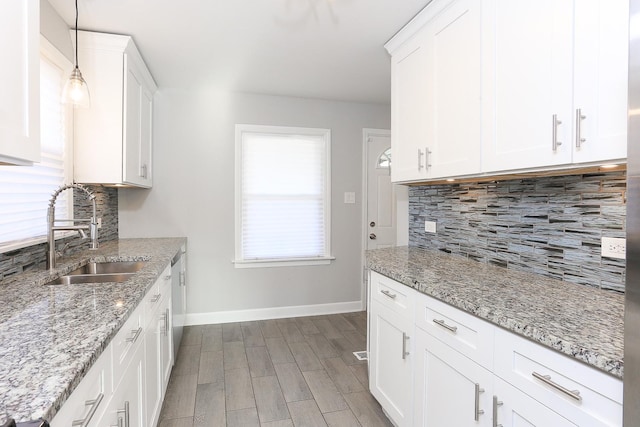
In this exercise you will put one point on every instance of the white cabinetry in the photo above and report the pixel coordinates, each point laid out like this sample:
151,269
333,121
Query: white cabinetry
450,389
158,345
20,82
469,372
127,384
436,76
391,329
113,138
555,83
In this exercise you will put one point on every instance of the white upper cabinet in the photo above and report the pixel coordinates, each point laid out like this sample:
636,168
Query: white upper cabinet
489,87
527,81
555,82
435,107
20,82
113,140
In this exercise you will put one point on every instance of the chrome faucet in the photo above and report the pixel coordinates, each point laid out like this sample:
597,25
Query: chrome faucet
52,228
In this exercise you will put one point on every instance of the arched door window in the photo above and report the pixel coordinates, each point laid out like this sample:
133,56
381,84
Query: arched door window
384,160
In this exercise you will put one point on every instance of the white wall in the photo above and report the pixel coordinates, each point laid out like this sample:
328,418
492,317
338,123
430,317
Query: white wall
55,30
193,196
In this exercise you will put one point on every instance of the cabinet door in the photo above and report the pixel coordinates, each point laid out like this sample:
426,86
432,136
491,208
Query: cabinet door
527,79
600,80
20,82
153,372
127,401
390,362
166,343
408,111
450,389
516,409
137,118
453,77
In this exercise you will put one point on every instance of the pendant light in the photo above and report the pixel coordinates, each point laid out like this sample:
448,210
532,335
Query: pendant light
76,91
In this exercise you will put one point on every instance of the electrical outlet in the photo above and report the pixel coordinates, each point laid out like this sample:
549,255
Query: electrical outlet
430,226
99,223
613,247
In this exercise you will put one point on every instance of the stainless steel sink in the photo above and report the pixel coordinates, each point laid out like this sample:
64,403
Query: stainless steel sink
91,278
109,267
100,272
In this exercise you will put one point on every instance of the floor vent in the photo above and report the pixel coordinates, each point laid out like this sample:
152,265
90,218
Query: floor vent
360,355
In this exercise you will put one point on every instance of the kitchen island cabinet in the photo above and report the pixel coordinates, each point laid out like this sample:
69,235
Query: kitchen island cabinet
113,138
20,83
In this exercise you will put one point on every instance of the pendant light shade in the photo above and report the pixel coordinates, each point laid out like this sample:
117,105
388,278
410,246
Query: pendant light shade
76,91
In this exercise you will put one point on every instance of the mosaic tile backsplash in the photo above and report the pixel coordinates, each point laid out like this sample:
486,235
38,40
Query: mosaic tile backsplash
550,226
31,257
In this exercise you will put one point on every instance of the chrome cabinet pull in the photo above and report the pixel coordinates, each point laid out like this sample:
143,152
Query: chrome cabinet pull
156,297
579,118
143,171
478,411
405,353
574,394
165,319
442,323
125,414
496,403
554,133
94,406
181,281
167,277
427,158
389,294
136,334
420,154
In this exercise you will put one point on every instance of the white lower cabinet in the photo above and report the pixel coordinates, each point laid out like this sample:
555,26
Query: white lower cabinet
465,371
390,370
513,408
450,389
127,384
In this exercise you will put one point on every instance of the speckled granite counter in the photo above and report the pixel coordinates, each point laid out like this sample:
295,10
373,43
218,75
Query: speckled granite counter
51,335
582,322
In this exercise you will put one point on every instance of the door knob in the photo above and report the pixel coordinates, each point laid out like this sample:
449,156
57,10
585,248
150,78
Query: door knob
372,224
372,236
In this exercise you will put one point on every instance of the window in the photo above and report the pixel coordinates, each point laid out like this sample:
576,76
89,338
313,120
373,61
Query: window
282,196
25,190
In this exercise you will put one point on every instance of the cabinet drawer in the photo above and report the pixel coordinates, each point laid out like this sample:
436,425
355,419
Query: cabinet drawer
392,294
160,290
89,400
126,342
463,332
574,390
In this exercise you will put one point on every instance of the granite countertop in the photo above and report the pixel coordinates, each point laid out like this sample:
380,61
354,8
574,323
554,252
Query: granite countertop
51,335
577,320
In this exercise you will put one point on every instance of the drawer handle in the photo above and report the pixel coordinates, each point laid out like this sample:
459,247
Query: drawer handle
574,394
442,323
136,334
94,406
405,353
156,297
167,278
477,411
389,294
496,403
165,320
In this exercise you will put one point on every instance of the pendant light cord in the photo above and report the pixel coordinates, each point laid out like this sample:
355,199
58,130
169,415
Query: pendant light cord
76,33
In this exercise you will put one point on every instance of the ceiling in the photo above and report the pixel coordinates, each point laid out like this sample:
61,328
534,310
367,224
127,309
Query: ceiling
328,49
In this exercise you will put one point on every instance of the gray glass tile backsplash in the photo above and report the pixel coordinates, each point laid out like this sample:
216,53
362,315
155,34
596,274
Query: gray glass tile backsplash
550,226
35,256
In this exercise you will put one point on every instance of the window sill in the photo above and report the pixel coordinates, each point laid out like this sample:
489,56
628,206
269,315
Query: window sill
288,262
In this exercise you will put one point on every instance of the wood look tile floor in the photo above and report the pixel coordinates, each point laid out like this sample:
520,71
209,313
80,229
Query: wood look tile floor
273,373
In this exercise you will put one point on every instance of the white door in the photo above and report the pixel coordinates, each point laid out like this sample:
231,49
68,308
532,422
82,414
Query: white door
381,200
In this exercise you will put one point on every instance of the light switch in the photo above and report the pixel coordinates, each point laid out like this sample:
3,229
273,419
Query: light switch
349,197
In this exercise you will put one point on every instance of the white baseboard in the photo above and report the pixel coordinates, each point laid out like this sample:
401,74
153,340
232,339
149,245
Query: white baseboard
271,313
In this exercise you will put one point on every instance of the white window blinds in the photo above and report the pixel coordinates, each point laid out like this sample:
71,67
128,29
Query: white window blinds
25,190
282,193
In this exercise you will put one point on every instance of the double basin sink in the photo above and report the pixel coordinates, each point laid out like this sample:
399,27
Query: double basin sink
100,272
